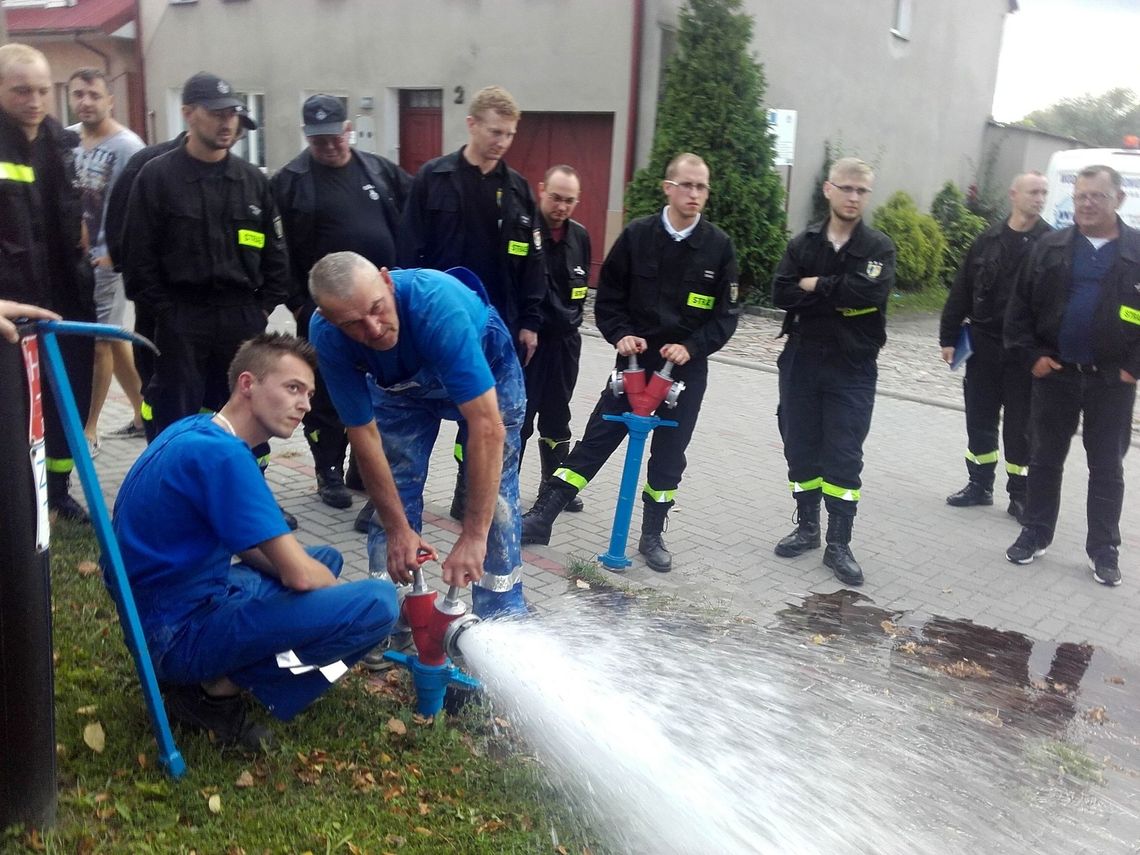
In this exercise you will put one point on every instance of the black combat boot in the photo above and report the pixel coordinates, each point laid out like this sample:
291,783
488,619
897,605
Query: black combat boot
654,517
331,488
838,555
459,499
806,534
552,457
59,498
553,496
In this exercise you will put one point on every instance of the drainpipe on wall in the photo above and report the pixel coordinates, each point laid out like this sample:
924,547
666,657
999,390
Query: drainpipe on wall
634,87
106,59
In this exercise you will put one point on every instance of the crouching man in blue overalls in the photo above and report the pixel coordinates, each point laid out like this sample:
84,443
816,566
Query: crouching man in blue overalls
276,623
401,351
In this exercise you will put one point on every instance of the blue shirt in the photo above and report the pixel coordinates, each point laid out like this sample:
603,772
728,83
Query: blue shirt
1090,265
438,353
193,499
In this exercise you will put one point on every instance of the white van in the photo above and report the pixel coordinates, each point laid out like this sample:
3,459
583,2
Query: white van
1062,173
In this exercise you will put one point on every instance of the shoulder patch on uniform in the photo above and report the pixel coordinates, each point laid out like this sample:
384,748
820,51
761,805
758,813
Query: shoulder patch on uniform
538,239
874,269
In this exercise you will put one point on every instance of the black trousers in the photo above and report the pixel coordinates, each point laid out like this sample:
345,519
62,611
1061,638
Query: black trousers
328,440
995,380
667,444
826,401
1106,403
197,344
550,380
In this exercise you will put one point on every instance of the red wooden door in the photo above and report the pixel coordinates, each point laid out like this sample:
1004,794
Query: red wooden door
421,127
581,140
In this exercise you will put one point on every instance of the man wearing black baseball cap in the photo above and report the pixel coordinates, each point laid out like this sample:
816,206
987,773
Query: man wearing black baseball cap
204,252
334,198
211,92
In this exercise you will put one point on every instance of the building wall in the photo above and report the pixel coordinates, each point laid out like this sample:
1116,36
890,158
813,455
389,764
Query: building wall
1009,150
552,55
915,108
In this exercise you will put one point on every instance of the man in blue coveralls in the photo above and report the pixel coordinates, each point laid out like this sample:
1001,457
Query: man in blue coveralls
401,351
276,623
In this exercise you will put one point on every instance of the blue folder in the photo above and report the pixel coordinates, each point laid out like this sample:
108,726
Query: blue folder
963,348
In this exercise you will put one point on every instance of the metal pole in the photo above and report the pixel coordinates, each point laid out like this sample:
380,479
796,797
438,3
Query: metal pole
27,710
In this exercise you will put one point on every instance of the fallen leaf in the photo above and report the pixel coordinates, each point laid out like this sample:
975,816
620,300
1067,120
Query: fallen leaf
94,737
419,829
1096,715
421,720
581,583
397,727
87,568
425,809
86,710
819,639
280,786
1115,680
142,761
245,779
215,803
490,826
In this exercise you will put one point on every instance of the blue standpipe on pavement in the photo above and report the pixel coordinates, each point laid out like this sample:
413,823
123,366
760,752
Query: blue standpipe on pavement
639,428
168,753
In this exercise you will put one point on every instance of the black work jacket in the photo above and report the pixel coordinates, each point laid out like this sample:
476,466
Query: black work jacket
848,308
296,195
116,218
694,305
567,278
431,235
1037,305
175,253
40,218
979,293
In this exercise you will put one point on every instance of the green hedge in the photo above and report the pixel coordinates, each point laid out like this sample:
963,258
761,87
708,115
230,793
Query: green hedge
918,240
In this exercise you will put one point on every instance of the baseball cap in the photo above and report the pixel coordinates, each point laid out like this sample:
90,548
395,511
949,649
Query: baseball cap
323,115
213,93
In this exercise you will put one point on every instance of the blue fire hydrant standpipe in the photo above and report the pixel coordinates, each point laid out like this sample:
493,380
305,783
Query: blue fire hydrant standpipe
431,681
168,753
639,428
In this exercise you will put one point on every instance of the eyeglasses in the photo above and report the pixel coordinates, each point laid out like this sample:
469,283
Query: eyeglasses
848,189
689,186
1096,197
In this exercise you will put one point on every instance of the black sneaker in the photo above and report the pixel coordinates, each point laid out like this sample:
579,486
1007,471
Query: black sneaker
972,494
1105,568
364,518
66,508
290,520
128,431
223,718
1027,547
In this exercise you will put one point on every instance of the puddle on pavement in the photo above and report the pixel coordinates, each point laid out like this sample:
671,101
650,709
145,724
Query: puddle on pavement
839,727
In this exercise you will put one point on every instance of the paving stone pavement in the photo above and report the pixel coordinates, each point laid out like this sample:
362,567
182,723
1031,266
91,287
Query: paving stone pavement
919,554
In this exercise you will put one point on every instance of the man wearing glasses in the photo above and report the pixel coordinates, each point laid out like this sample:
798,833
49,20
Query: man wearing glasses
834,281
334,198
667,292
1074,318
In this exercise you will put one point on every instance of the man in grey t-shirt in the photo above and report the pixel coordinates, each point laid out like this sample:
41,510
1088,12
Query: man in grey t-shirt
104,149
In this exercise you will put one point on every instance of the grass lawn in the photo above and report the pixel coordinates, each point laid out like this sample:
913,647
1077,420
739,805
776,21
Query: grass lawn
927,301
358,772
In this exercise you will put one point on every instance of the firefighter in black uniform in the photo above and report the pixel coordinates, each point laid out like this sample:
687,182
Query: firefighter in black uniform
204,253
1074,318
667,292
41,257
995,378
469,209
334,198
553,372
834,281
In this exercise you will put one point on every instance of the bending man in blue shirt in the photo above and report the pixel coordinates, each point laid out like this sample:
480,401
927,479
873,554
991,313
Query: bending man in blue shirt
401,351
277,623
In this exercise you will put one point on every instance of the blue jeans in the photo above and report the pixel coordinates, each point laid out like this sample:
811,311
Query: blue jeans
409,423
249,634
